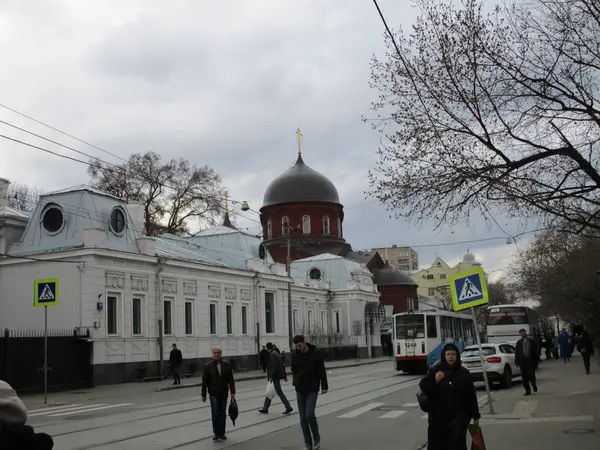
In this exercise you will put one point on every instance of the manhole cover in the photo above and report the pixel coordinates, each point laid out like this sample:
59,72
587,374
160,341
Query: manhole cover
579,431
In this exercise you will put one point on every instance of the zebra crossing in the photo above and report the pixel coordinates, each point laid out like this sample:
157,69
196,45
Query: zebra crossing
73,409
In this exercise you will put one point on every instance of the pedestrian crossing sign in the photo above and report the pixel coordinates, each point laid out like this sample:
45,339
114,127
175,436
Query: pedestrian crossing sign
45,292
468,289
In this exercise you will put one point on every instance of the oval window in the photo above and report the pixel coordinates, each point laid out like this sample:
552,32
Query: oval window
315,274
53,219
117,221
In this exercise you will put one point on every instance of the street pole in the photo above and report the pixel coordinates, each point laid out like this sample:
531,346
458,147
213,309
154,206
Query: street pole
45,355
485,377
289,303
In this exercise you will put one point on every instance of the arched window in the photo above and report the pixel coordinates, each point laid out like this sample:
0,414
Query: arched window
339,224
269,229
285,226
326,225
306,224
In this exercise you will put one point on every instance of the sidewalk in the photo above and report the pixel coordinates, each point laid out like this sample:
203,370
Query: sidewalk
139,389
565,413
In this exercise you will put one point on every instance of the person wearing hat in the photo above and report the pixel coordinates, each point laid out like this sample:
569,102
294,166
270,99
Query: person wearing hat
14,434
450,389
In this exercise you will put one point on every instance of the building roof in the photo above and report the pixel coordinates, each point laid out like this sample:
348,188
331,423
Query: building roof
80,188
8,212
300,183
388,276
336,270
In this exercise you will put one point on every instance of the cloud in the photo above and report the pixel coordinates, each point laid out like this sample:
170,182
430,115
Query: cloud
219,83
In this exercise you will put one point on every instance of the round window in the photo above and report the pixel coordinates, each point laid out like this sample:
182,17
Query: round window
117,220
315,274
53,219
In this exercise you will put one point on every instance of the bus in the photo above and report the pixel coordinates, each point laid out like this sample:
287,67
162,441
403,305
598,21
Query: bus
505,321
418,337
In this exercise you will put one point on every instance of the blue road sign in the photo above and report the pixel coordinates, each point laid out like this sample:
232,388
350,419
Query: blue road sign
45,292
468,289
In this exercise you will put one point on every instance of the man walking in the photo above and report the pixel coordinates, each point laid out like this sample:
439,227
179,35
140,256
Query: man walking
275,373
564,342
263,356
526,358
586,348
217,379
175,360
309,373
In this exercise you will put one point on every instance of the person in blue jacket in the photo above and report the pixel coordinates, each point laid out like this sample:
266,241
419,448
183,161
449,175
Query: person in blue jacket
564,342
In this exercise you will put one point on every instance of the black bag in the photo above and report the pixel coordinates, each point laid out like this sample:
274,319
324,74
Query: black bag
425,403
234,412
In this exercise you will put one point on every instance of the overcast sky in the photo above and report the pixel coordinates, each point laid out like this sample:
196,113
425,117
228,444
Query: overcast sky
223,83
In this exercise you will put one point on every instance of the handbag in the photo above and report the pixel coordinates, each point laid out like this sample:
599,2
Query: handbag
478,443
425,402
234,411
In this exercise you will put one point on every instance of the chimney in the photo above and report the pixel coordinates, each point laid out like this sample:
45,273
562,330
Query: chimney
4,184
136,212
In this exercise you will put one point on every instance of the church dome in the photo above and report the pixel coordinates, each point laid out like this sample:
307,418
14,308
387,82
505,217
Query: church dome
469,258
388,276
300,183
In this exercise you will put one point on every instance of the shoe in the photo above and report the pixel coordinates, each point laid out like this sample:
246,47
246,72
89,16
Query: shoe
223,437
287,411
215,438
308,447
316,446
263,411
527,393
535,388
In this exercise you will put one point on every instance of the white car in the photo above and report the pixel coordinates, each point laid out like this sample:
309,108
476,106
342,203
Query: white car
499,363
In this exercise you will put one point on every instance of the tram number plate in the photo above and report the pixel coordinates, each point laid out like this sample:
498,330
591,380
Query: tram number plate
411,344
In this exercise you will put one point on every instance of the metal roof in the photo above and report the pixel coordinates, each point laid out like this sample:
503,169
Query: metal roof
7,211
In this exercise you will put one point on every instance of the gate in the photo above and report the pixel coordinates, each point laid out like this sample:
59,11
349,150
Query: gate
69,359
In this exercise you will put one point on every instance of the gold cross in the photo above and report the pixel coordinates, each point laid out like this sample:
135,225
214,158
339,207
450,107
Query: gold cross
299,134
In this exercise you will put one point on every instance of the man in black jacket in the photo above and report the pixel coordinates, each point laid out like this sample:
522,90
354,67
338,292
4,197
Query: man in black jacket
217,379
275,373
309,372
526,359
175,360
263,356
586,348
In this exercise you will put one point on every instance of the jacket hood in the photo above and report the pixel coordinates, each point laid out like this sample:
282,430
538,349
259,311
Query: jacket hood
12,410
311,348
443,356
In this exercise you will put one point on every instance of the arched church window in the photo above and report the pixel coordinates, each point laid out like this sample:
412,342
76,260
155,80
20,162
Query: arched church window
306,224
326,225
339,227
269,229
285,226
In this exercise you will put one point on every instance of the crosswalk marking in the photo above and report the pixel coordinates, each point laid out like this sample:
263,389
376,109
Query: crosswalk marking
410,405
359,411
53,408
90,410
63,409
392,415
69,410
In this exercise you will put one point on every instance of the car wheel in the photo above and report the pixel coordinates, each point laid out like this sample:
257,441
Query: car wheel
507,378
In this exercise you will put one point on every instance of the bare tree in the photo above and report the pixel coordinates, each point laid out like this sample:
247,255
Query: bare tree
492,110
500,293
172,192
23,197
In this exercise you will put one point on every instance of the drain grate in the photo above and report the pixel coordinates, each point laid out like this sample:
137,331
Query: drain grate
580,431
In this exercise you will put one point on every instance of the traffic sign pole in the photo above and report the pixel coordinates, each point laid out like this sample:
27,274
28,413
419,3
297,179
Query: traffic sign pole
485,376
45,355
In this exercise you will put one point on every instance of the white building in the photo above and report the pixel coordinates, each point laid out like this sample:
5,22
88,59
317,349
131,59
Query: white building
138,295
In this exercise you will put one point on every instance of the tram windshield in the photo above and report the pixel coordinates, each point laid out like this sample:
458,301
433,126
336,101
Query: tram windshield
410,326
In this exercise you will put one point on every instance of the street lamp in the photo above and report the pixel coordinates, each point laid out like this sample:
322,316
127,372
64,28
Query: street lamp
245,206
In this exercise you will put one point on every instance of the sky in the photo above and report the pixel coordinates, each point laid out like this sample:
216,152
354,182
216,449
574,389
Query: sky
220,83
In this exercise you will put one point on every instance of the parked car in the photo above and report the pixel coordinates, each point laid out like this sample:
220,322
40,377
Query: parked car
499,363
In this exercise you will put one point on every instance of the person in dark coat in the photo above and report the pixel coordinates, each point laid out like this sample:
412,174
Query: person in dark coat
263,356
526,358
217,380
309,372
564,342
276,373
586,348
175,360
450,389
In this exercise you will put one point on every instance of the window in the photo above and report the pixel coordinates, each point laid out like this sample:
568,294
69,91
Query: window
326,225
269,229
315,274
244,319
338,322
410,326
431,291
339,226
474,351
136,316
229,313
516,315
310,320
306,224
323,321
213,318
442,276
430,277
285,226
117,221
269,312
112,314
431,327
295,323
53,219
168,317
189,317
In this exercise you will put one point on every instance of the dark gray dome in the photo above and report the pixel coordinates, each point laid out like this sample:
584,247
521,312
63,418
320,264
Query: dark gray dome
300,183
388,276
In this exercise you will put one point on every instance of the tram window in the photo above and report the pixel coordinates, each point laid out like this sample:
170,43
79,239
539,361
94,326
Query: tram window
431,327
446,327
410,326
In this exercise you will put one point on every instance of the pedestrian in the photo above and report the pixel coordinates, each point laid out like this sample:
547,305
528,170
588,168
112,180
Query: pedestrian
276,373
526,358
217,379
308,368
586,348
175,360
451,391
263,356
564,342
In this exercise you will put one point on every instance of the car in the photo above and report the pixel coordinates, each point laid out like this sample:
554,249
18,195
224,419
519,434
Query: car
499,363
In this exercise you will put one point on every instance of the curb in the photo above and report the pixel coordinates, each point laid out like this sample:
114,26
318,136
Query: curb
260,377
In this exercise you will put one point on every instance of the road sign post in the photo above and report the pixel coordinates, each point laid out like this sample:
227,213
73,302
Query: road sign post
469,289
45,293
